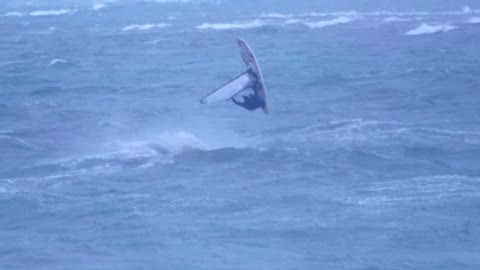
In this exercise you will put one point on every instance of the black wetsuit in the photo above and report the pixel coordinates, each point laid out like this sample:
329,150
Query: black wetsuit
252,101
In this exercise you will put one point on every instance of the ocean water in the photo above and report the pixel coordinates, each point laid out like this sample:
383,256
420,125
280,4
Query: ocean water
368,159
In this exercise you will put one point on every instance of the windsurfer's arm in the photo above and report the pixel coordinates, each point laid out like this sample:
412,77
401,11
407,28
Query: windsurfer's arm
236,102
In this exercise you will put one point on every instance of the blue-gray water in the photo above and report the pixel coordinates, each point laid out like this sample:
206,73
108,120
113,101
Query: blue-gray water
368,159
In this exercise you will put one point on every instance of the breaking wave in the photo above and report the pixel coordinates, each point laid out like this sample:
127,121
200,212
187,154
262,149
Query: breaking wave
161,149
52,12
228,26
14,14
99,6
396,19
58,62
276,15
335,21
378,13
357,130
114,156
474,20
425,29
423,190
171,1
144,27
292,21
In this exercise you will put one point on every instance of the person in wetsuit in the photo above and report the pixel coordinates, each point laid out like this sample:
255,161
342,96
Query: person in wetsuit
252,101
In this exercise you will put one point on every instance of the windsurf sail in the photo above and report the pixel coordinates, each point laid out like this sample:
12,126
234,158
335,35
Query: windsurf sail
253,78
230,89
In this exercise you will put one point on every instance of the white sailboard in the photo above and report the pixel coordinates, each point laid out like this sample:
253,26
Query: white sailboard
243,81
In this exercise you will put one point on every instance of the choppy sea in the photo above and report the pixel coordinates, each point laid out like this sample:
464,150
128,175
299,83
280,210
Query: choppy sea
368,159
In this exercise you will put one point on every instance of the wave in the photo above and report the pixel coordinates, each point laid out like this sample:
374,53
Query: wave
12,142
335,13
58,62
99,6
143,153
396,19
161,148
467,10
52,12
474,20
293,21
420,190
377,13
119,156
425,29
335,21
144,27
228,26
113,157
171,1
14,14
276,15
356,130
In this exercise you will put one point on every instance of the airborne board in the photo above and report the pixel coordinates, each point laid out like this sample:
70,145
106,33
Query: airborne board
250,60
243,81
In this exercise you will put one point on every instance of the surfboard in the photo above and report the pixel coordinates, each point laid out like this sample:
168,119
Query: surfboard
241,82
250,60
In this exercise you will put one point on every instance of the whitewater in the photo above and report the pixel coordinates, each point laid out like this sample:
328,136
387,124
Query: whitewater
368,158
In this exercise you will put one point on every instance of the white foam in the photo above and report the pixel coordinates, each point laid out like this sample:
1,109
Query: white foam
99,6
421,190
293,21
144,27
228,26
467,10
378,13
14,14
177,142
474,20
171,1
335,21
57,61
276,15
425,29
160,148
52,12
396,19
155,41
336,13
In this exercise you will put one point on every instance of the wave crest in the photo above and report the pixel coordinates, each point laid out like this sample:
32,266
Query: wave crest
426,29
474,20
228,26
335,21
58,62
14,14
99,6
276,15
144,27
51,12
